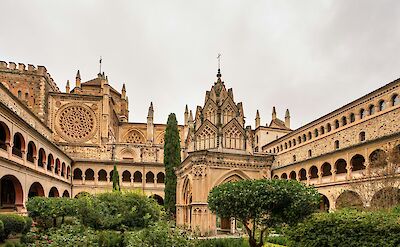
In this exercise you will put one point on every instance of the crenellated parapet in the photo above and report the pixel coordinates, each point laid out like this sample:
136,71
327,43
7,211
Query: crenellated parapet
29,70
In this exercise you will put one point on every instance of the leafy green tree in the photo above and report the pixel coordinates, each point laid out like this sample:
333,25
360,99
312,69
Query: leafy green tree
115,179
172,159
261,204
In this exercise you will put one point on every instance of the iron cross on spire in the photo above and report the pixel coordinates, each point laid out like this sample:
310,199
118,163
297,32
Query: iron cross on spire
101,59
219,61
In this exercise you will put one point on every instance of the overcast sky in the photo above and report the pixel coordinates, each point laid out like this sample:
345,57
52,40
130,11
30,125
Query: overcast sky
309,56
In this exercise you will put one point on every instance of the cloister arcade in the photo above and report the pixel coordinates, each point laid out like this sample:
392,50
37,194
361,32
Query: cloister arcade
127,176
30,167
346,181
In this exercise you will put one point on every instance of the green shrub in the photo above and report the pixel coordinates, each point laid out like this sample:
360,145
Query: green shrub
46,211
1,230
223,242
28,224
118,211
281,240
74,235
347,228
109,238
13,224
161,235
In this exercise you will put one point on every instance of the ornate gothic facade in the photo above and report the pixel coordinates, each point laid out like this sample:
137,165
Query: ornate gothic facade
55,143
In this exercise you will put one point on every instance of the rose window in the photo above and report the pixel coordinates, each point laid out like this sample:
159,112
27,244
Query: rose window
76,122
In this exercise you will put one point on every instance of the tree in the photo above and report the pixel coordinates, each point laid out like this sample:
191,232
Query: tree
261,204
115,179
172,158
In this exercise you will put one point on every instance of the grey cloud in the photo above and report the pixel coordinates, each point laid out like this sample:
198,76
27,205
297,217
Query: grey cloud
308,56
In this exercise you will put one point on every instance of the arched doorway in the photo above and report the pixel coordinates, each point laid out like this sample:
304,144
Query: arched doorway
349,199
11,193
54,192
386,198
187,202
324,204
36,189
65,194
158,199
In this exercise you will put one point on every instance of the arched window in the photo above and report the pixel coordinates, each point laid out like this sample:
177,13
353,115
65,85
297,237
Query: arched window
68,172
309,135
160,178
294,158
89,175
378,158
363,113
336,144
382,105
313,172
316,133
126,176
395,100
50,162
352,118
150,177
285,145
57,166
299,139
63,169
31,154
341,166
303,174
42,158
326,169
276,177
362,136
337,125
4,136
137,177
304,138
322,130
309,153
290,144
284,176
102,175
19,94
344,121
294,142
328,127
292,175
18,145
77,174
371,109
357,162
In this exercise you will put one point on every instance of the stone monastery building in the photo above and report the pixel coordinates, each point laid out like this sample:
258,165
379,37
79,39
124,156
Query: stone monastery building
55,143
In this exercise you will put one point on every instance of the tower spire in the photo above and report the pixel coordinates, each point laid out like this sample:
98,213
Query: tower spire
78,79
273,113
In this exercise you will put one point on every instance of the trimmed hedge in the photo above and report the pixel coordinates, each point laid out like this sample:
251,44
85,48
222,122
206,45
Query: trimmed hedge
347,228
13,224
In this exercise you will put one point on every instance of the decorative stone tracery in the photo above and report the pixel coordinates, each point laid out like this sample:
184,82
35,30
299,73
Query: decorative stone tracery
134,137
76,123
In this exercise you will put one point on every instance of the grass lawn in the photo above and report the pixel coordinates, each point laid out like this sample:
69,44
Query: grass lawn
272,245
15,240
